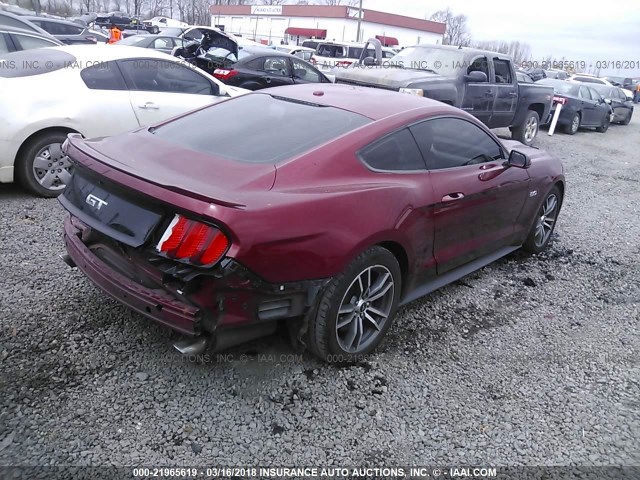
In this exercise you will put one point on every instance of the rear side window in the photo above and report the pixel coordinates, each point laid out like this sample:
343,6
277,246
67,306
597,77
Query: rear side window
260,128
104,76
395,152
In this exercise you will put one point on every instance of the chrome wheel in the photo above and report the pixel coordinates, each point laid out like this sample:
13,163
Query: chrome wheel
546,220
530,129
51,167
575,123
365,308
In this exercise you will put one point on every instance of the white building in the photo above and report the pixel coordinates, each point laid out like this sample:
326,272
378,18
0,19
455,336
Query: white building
295,23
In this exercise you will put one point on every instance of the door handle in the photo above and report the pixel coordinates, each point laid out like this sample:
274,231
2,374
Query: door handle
488,166
453,196
149,106
512,94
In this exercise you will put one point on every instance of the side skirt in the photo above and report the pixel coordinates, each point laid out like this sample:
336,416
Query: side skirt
455,274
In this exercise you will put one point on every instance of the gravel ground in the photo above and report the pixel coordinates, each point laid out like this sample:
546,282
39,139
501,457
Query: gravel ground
530,361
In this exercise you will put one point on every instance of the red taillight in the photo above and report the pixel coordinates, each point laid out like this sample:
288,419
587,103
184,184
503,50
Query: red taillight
192,242
224,74
560,100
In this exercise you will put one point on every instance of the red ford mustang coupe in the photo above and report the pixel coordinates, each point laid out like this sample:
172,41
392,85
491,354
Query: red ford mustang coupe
323,206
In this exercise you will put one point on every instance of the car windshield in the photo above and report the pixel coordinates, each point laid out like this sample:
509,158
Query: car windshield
281,128
560,86
443,61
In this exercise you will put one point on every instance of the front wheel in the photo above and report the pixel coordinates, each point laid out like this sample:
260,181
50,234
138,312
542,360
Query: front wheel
43,168
627,120
606,121
545,222
357,308
526,132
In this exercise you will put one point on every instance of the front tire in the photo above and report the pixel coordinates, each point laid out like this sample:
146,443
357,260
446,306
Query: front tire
546,218
606,121
627,120
526,132
42,168
357,308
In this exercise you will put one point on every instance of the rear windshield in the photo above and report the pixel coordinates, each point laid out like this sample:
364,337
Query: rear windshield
560,86
26,63
260,128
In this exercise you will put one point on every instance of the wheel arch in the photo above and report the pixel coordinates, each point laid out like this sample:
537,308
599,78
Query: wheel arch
38,133
400,253
539,109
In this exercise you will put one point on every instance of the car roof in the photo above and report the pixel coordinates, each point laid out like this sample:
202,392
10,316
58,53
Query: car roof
467,50
52,20
374,103
24,31
105,53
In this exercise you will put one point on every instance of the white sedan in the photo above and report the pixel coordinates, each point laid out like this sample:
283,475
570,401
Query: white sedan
94,90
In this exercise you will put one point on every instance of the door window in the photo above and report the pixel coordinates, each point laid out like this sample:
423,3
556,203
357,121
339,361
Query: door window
162,76
595,95
584,93
276,66
305,72
453,142
163,42
479,65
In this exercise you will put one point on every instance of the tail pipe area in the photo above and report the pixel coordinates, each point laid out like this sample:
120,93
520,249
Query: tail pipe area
68,260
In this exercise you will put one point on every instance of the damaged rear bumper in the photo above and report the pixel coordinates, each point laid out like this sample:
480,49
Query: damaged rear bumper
155,304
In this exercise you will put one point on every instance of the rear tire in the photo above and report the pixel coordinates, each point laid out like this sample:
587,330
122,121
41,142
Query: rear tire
357,308
527,131
545,222
628,119
574,125
42,168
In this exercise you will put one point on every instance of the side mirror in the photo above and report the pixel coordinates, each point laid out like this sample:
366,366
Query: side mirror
476,77
518,159
608,100
369,61
178,52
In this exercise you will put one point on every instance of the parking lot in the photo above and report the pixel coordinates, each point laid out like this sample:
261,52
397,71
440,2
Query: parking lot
530,361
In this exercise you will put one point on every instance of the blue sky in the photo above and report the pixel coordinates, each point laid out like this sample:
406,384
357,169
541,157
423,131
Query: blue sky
599,32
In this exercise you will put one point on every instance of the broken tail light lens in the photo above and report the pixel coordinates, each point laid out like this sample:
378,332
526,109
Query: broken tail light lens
224,74
559,100
192,242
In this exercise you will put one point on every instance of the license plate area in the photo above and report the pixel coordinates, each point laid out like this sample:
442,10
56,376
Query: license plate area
109,209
